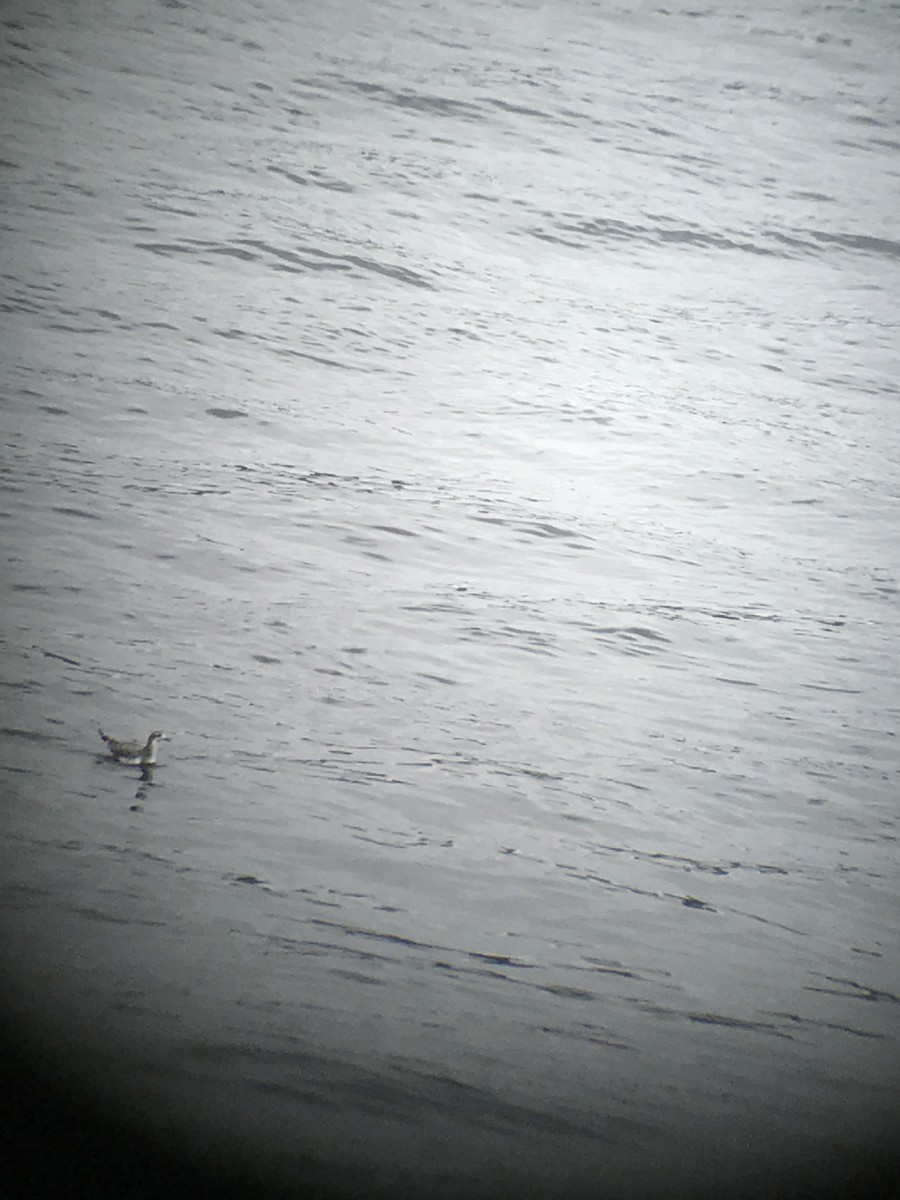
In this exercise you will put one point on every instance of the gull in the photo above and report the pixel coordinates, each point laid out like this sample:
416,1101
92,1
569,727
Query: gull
135,754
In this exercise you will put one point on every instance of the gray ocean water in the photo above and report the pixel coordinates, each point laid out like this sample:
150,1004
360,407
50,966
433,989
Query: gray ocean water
473,432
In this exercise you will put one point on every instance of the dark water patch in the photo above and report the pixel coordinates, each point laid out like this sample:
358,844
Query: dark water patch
634,637
582,1031
707,1018
750,613
72,662
83,514
510,851
286,476
291,352
686,862
866,244
146,855
565,992
434,606
503,960
528,640
398,530
28,735
308,1094
587,876
166,249
395,939
66,327
289,260
376,556
393,841
523,110
767,921
217,1054
320,948
95,914
491,633
517,769
546,530
292,176
357,977
25,891
851,989
539,529
814,1023
583,232
401,274
693,902
321,902
402,1091
824,687
316,179
167,207
227,414
617,969
323,260
427,103
410,1088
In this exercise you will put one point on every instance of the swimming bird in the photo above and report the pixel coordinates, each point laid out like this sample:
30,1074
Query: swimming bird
134,754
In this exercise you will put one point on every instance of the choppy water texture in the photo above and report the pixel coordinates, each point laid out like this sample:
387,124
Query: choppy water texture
473,431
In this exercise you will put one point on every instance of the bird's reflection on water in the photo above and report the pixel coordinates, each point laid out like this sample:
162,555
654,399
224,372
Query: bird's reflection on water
146,782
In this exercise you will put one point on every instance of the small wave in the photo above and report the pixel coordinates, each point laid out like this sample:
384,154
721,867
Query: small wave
706,1018
424,102
314,179
310,259
583,233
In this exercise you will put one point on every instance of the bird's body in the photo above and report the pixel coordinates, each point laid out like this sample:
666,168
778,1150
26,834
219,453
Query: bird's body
135,754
